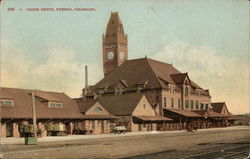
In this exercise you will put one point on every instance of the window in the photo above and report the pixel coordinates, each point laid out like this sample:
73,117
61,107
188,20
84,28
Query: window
101,91
55,105
186,91
59,105
192,104
90,97
165,102
144,106
202,106
140,88
186,104
196,104
206,106
179,103
119,91
172,102
97,109
52,104
171,88
120,28
6,102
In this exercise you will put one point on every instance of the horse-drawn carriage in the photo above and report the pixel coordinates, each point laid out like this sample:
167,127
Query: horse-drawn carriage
118,129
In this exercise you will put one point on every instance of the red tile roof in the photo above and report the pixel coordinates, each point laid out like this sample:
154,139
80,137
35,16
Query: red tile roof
23,105
158,75
217,107
117,105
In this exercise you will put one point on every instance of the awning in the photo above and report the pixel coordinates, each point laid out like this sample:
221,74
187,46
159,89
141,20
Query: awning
153,118
197,113
92,117
186,113
213,114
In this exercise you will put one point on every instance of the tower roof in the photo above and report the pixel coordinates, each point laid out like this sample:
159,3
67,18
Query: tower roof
113,24
114,28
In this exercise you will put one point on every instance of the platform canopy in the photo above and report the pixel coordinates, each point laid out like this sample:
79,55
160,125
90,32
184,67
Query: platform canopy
153,118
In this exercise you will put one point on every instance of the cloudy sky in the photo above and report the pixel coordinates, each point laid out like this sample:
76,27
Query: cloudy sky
47,50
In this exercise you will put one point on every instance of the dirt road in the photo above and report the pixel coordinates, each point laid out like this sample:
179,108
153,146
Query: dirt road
127,146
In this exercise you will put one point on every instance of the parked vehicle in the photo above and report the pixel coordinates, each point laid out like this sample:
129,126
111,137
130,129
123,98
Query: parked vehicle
26,130
55,129
118,129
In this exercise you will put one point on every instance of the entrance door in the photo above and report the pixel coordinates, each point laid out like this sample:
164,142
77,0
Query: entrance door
102,125
9,129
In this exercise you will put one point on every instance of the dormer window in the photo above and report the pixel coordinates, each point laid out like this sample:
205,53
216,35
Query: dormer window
101,91
6,102
119,91
55,105
140,88
90,97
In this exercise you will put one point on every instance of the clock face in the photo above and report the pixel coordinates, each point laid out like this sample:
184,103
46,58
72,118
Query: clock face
122,55
110,55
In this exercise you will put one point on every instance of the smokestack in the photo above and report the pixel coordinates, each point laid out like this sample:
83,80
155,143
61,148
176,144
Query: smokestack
86,79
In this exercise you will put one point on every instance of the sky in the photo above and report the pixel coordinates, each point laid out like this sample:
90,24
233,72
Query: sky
47,50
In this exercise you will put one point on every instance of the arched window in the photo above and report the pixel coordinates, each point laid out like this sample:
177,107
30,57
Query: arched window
186,91
97,109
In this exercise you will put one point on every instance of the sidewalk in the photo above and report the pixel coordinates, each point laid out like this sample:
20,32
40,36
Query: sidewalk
13,140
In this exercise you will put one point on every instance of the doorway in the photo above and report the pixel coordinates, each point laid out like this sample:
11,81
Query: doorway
9,129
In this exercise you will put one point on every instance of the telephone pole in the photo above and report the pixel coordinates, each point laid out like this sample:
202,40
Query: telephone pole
34,113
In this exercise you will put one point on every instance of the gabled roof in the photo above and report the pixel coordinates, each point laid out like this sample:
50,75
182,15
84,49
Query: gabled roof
124,83
23,105
179,78
217,107
45,96
131,71
116,105
158,75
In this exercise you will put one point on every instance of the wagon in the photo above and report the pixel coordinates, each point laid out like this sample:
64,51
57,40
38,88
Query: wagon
55,129
118,129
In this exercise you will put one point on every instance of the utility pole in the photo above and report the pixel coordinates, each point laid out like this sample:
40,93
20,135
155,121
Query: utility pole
1,154
34,114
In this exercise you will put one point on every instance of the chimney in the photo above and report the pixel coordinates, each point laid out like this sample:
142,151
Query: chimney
86,80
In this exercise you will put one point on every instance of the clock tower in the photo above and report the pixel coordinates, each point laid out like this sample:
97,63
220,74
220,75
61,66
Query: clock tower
115,44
